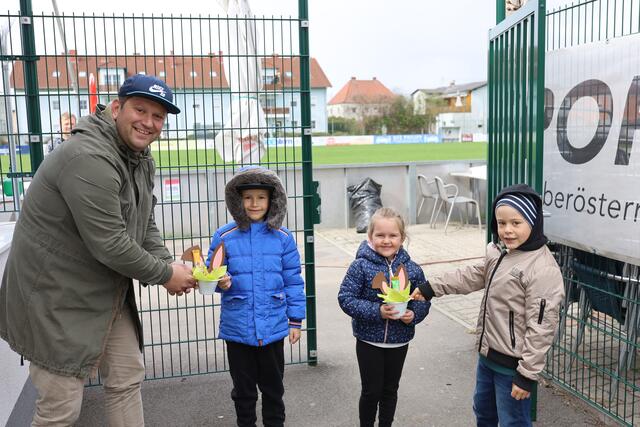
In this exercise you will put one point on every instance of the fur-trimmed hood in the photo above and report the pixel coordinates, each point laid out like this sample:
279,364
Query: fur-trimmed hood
256,175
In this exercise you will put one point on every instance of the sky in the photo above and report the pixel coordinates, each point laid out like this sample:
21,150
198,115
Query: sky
406,44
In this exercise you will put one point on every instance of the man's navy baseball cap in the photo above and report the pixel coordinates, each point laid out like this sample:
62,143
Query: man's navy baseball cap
149,87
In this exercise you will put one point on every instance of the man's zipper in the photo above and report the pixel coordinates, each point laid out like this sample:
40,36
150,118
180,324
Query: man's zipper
486,297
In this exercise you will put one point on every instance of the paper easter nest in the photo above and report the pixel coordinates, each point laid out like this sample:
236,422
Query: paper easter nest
200,271
389,294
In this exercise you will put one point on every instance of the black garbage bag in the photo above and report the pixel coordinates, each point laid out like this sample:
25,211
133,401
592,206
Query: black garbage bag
364,200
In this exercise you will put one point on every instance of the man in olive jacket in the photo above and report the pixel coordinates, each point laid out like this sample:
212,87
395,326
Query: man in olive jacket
87,229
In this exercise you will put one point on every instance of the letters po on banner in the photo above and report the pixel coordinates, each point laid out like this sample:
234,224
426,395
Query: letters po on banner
591,158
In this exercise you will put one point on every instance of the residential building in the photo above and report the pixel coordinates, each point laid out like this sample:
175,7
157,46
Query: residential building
359,99
280,96
200,86
463,117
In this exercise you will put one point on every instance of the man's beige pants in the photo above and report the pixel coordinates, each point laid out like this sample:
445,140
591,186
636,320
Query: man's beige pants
122,372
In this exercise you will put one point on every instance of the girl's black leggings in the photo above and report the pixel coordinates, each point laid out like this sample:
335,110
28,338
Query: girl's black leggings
380,371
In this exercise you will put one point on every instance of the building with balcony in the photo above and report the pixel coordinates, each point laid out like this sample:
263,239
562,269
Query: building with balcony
463,115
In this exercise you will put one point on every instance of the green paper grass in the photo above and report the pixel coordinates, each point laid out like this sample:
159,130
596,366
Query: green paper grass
397,296
200,273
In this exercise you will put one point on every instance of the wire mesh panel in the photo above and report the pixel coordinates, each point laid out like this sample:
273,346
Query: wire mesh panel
242,84
15,154
595,353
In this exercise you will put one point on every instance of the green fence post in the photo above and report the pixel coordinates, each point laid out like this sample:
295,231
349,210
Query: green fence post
31,84
500,11
309,187
538,100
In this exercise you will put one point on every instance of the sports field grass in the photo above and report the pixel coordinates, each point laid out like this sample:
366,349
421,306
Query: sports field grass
333,155
339,155
398,153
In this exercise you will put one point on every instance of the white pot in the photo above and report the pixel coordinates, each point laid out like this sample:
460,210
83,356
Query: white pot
400,307
206,287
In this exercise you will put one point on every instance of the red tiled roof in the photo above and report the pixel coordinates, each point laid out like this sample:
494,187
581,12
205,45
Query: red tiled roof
288,77
179,71
363,92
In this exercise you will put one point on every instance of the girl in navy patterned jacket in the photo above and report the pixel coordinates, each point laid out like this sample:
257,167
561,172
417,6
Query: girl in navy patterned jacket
381,340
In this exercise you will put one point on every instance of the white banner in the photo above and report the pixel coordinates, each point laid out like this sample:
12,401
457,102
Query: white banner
591,147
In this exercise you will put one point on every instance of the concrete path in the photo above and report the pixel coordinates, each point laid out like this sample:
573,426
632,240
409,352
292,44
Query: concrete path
439,372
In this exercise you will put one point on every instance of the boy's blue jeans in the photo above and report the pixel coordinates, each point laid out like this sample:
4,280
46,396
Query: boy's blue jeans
492,400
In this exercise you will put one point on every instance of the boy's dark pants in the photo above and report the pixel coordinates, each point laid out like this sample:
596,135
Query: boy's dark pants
263,366
380,371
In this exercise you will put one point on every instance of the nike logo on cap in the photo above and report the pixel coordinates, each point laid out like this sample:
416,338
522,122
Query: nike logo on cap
158,89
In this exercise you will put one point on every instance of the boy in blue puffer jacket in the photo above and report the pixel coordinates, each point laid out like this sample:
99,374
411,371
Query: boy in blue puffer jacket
263,297
382,334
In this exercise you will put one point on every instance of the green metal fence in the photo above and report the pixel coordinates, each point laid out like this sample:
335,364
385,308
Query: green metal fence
595,352
594,355
50,63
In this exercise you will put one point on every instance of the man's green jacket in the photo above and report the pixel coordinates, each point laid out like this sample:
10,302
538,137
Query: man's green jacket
86,229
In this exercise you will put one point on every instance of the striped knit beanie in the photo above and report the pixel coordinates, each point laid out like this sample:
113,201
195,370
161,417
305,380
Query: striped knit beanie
522,203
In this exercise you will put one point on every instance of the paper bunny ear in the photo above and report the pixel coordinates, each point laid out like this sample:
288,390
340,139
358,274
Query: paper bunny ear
380,282
188,254
401,274
218,257
377,281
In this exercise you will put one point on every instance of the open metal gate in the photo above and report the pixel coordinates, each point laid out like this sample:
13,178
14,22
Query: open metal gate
516,100
57,66
595,352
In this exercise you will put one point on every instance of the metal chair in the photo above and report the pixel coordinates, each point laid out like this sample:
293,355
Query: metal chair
452,199
426,193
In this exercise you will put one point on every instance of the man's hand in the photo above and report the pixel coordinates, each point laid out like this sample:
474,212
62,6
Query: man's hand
181,280
416,295
408,316
388,312
225,283
294,335
518,393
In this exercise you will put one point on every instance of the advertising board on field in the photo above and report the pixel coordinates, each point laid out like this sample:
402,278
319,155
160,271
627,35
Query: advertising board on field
344,140
591,150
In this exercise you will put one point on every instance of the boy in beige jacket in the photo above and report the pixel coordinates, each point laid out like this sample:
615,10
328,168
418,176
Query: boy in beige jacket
519,312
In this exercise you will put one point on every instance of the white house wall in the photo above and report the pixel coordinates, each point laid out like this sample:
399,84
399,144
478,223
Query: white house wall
356,111
319,109
49,116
